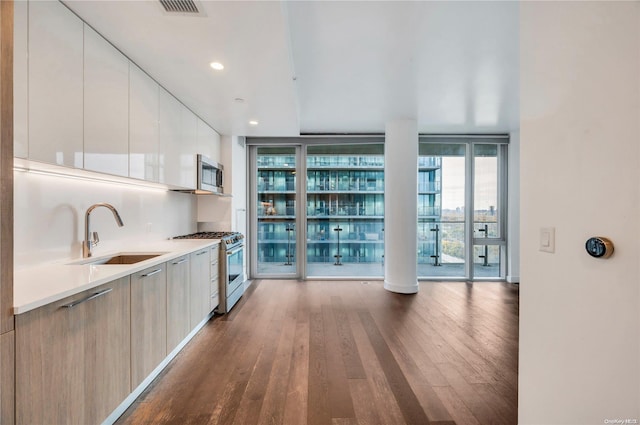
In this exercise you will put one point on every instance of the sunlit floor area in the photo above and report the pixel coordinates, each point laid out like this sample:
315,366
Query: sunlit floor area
345,352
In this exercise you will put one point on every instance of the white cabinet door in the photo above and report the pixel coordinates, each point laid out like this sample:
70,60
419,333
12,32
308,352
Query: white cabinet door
144,137
55,84
208,141
188,149
20,69
106,106
170,134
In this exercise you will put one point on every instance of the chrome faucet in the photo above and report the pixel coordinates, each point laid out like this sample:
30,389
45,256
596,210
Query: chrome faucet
90,243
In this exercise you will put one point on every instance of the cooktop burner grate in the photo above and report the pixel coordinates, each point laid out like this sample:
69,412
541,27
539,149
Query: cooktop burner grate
207,235
229,239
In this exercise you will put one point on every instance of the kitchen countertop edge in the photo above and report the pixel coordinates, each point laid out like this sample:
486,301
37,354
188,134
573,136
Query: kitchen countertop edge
31,291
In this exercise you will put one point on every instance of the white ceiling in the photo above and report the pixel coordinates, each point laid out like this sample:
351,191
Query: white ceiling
327,66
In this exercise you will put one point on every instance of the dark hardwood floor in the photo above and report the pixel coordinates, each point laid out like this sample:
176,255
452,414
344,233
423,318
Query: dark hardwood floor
347,353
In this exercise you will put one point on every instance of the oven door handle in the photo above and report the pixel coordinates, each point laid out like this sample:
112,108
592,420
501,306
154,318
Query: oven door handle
236,249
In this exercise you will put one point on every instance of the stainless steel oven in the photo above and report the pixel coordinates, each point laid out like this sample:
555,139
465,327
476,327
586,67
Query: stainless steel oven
232,282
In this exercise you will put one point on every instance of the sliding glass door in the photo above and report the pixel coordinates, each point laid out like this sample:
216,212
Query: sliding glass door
275,211
328,224
345,210
441,210
462,207
489,210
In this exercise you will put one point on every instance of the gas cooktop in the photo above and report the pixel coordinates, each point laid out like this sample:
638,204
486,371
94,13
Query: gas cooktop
228,238
208,235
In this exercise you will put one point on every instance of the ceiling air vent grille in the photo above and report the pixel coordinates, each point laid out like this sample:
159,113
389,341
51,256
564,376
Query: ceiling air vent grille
179,6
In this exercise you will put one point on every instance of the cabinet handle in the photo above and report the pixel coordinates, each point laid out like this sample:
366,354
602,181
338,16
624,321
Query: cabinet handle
151,273
179,262
200,253
90,297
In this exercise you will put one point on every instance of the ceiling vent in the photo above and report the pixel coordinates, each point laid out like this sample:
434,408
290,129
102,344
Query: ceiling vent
180,6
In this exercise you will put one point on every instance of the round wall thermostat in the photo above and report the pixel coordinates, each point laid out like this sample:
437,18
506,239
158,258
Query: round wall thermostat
599,247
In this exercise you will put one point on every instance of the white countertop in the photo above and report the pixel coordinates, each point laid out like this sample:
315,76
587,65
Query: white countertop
37,286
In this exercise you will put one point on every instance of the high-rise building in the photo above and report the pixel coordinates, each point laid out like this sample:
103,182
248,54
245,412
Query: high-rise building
345,208
429,209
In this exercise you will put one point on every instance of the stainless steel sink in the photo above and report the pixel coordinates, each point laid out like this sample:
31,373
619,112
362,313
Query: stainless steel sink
122,258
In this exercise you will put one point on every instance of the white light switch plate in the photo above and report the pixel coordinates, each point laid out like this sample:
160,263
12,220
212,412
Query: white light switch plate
548,239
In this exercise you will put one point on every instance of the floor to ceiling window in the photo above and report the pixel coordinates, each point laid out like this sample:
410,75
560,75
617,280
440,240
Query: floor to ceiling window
318,208
275,209
339,230
462,207
345,210
441,210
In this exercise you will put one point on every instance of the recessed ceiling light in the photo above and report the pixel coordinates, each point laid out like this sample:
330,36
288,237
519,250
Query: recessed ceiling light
239,100
217,66
253,122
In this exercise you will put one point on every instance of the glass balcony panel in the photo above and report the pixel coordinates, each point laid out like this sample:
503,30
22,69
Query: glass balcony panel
487,261
441,249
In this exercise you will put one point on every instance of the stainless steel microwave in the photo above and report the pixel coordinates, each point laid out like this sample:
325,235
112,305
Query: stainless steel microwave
210,176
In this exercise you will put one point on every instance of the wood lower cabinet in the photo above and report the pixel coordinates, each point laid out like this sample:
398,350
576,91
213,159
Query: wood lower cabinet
78,359
73,357
199,286
148,321
177,301
7,378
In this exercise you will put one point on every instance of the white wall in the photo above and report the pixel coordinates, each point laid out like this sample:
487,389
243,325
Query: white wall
222,213
239,178
513,220
580,173
50,211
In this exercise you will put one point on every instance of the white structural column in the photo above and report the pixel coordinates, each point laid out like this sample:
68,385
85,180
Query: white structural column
401,207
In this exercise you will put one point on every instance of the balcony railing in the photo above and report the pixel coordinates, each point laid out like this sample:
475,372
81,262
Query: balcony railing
276,161
429,162
429,187
345,161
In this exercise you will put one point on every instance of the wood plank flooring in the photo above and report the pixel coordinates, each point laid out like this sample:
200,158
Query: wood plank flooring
347,353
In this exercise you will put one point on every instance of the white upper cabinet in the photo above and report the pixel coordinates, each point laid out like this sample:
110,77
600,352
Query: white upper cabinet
208,141
20,91
178,143
55,84
170,135
106,106
188,149
144,136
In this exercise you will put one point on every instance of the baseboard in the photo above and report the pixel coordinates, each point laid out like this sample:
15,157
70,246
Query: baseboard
513,279
401,289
